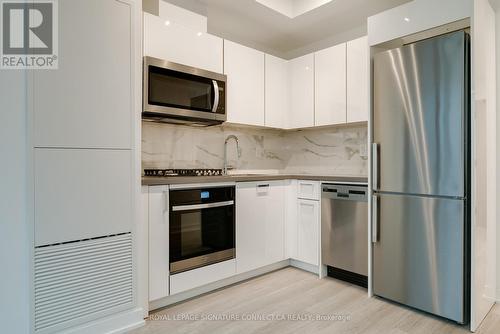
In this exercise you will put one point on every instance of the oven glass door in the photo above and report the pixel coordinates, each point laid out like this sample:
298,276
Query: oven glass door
201,234
168,88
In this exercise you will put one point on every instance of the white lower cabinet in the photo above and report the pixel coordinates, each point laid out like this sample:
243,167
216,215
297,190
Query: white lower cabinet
273,224
308,231
158,242
260,224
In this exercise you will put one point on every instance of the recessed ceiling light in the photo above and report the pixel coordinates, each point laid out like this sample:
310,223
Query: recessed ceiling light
167,23
199,33
407,19
307,68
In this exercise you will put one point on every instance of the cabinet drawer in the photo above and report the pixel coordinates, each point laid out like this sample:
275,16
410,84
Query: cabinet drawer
308,190
201,276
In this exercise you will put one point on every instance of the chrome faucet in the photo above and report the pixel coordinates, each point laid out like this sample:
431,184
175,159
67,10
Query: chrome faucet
225,150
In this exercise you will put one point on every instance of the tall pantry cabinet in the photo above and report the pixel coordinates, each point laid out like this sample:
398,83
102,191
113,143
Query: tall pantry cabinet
85,119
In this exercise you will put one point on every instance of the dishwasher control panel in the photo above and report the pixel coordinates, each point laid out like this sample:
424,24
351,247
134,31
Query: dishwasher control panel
345,191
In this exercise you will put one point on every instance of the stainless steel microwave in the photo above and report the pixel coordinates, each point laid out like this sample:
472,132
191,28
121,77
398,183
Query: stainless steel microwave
181,94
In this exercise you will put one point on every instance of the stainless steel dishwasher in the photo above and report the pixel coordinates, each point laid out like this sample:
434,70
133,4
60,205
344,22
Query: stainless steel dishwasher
344,232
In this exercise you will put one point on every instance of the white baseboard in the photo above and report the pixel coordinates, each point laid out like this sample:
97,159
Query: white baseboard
115,324
305,266
156,304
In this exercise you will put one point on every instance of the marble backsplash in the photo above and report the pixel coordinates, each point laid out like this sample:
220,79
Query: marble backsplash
325,151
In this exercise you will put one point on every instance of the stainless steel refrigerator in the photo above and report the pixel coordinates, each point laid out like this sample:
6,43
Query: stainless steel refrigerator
421,166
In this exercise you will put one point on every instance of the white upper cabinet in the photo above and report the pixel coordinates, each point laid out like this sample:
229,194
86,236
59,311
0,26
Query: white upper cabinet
277,96
330,86
181,44
301,113
88,102
358,77
244,68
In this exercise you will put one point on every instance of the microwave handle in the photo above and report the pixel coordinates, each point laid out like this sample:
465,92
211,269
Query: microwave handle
216,96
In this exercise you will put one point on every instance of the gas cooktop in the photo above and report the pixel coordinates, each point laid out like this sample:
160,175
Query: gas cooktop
182,172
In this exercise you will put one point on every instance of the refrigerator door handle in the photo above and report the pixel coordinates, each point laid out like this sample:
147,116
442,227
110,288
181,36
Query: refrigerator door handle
375,165
375,219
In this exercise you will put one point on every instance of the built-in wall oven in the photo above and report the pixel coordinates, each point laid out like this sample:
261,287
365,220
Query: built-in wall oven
176,93
202,227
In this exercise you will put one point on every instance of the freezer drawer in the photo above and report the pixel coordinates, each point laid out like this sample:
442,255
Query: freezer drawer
344,228
419,256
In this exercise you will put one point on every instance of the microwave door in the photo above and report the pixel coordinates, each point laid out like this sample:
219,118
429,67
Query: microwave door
180,94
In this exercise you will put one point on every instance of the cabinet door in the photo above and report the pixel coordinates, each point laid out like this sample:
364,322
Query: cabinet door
88,102
158,242
244,68
277,92
291,219
357,80
330,86
250,228
272,195
301,92
81,194
260,219
308,231
180,44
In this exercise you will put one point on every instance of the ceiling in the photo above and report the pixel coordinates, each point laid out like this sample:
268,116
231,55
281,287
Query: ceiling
293,8
253,24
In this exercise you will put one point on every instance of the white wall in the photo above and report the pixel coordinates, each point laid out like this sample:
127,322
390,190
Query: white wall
497,14
483,241
14,232
422,15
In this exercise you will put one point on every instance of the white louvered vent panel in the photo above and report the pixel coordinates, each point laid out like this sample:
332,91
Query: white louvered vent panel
79,279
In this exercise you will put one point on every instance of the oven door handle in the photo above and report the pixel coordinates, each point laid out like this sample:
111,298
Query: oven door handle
201,206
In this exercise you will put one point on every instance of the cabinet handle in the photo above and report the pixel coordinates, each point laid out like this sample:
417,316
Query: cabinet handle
375,165
263,186
166,204
374,218
202,206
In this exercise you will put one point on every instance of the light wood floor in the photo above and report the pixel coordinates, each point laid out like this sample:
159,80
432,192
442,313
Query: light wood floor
296,292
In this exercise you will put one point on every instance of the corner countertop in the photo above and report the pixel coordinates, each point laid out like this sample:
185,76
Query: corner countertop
168,180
